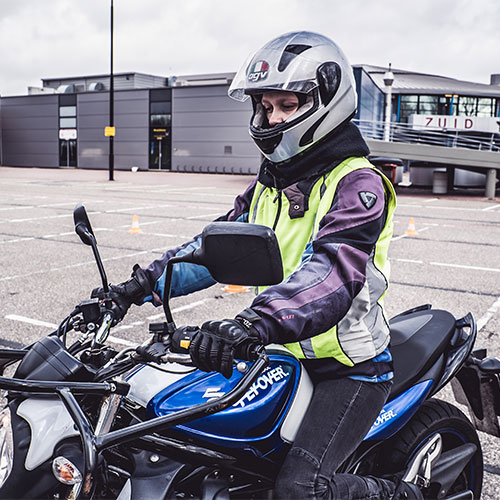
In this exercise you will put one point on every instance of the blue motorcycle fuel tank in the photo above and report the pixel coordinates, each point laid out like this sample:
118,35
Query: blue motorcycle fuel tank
253,423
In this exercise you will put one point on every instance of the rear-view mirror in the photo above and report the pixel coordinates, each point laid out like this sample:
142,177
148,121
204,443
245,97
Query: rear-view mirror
238,253
83,227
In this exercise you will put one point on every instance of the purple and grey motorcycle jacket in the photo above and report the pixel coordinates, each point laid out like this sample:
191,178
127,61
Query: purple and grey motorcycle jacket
333,220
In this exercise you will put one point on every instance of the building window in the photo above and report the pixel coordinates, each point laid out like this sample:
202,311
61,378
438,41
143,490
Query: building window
67,111
160,126
467,106
67,131
485,106
67,122
428,104
408,106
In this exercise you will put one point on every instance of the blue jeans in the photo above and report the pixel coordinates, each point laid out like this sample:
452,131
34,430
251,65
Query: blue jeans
339,417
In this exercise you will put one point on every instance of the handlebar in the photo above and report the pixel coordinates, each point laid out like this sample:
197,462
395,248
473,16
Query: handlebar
173,357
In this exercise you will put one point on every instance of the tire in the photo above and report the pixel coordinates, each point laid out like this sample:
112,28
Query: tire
436,416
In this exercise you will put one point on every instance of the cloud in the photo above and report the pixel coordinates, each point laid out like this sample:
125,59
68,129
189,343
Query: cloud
54,38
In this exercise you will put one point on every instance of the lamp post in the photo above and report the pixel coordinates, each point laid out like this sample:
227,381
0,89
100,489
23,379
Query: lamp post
111,105
388,81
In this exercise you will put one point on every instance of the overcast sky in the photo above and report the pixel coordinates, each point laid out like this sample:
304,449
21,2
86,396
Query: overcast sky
57,38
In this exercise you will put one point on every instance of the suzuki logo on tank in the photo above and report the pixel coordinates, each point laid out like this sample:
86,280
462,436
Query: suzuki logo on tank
442,122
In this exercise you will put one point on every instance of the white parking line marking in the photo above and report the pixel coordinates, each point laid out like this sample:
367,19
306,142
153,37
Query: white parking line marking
133,209
482,322
53,326
411,261
442,207
48,236
491,208
116,210
116,340
203,215
70,266
179,309
31,321
17,208
17,240
472,268
447,264
401,236
32,219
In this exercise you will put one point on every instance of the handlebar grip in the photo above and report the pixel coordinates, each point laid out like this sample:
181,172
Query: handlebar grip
248,350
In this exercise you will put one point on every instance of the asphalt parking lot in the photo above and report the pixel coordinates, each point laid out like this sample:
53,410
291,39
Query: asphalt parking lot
453,262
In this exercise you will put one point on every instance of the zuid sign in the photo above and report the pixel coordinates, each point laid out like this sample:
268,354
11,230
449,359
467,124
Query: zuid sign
446,122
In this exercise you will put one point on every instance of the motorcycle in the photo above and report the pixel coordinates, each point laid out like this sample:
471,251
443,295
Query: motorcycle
87,421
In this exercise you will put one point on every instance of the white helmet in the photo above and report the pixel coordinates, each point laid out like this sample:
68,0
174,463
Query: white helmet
310,65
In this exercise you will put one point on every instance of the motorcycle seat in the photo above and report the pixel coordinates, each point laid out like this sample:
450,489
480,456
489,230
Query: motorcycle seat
417,341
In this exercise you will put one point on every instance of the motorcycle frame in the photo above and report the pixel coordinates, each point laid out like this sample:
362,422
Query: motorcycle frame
93,444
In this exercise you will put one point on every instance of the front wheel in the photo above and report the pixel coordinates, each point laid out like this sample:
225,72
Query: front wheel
439,417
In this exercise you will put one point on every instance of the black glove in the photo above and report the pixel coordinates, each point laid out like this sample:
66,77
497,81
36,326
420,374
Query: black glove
127,293
217,343
152,352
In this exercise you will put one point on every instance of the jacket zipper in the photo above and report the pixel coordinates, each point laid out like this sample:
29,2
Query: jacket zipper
277,197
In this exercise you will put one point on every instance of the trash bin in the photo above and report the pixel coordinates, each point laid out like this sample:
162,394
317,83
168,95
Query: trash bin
439,182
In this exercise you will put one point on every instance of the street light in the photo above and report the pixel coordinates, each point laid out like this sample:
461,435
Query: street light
111,104
388,81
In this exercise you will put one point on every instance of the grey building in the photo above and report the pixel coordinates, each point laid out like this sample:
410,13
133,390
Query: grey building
66,128
210,131
188,124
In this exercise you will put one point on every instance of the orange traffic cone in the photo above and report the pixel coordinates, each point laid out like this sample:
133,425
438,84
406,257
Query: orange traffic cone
411,231
135,229
235,289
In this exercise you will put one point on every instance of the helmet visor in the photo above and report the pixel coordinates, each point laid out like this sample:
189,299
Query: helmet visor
260,73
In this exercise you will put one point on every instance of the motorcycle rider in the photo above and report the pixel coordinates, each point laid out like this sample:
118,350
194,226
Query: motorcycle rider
332,213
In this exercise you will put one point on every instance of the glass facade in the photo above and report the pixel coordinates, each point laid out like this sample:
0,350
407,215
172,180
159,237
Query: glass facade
448,104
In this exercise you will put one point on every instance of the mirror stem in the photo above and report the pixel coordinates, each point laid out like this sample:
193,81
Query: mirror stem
100,266
168,284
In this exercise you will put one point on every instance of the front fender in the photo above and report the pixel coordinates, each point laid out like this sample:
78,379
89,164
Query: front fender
50,423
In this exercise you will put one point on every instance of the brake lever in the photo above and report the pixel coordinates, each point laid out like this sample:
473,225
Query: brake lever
102,333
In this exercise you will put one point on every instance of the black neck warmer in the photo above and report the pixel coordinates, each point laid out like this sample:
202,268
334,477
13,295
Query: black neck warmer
317,160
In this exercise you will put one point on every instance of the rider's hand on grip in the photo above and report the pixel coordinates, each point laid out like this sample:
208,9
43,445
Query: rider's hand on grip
248,350
214,346
127,293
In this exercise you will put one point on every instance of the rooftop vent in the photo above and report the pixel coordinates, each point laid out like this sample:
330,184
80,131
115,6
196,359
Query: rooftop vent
96,87
66,89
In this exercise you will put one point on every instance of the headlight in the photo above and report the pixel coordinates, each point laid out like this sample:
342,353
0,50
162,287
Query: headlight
6,446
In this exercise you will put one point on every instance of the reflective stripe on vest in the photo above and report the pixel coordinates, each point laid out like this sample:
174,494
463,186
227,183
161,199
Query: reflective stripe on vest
353,340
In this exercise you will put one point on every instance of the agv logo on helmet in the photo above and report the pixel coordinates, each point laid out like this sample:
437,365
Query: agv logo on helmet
258,71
